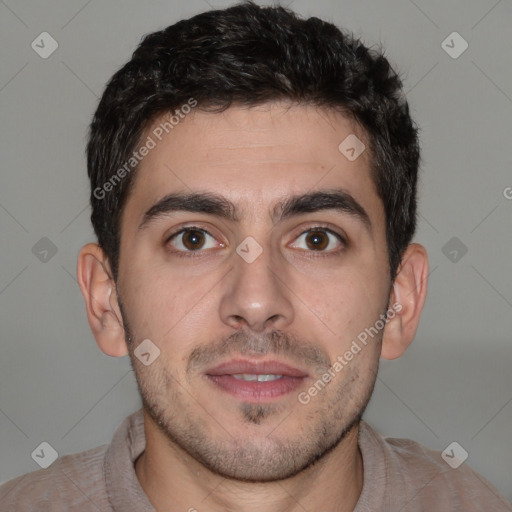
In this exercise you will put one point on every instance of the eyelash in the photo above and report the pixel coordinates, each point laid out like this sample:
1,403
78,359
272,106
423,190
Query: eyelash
317,254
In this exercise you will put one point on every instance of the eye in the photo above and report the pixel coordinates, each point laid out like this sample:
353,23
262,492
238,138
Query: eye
320,239
191,239
194,239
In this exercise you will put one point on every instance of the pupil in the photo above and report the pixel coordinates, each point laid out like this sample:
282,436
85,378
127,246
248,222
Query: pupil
316,238
193,239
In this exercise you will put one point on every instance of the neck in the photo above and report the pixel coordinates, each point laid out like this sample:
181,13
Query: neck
175,481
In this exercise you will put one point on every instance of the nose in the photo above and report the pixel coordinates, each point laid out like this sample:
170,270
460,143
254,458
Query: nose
256,294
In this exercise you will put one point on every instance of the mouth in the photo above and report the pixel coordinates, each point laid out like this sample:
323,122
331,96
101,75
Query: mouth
256,382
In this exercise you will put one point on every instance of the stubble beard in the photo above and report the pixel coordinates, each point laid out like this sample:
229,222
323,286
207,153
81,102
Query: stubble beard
338,410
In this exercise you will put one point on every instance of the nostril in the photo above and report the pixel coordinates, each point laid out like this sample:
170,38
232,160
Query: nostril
238,319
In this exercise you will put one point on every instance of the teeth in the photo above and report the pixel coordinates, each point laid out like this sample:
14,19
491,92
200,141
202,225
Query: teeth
253,377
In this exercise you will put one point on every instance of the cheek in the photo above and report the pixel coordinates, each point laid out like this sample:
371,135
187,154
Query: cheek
345,302
170,308
347,307
150,302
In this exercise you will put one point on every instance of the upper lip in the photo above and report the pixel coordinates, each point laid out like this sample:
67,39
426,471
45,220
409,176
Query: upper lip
236,366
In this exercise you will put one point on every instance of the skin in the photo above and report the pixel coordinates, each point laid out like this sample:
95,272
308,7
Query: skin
206,449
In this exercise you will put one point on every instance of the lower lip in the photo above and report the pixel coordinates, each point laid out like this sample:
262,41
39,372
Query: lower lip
253,391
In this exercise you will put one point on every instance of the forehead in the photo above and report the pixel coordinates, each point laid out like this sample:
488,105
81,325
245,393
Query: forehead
253,156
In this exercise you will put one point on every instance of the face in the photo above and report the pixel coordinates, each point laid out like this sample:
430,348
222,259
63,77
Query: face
273,265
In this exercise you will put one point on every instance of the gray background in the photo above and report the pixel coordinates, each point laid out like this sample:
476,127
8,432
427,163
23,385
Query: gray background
454,383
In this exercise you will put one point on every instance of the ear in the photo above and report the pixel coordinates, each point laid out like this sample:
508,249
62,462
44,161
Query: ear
407,299
99,291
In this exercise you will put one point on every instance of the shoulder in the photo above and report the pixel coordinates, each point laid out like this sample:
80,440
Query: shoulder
422,478
72,482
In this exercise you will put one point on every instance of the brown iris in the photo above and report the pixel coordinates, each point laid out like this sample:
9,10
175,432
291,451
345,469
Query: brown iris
193,239
314,240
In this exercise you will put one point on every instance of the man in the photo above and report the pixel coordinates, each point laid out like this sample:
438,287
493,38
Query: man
253,190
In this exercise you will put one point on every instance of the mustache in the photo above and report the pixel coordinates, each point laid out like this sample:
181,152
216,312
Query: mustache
249,344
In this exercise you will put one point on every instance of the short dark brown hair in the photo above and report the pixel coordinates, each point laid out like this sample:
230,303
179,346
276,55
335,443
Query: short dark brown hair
250,55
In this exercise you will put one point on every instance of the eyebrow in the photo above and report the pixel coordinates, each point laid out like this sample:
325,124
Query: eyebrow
218,206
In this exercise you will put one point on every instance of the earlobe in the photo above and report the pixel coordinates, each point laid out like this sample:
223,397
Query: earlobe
407,300
99,291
